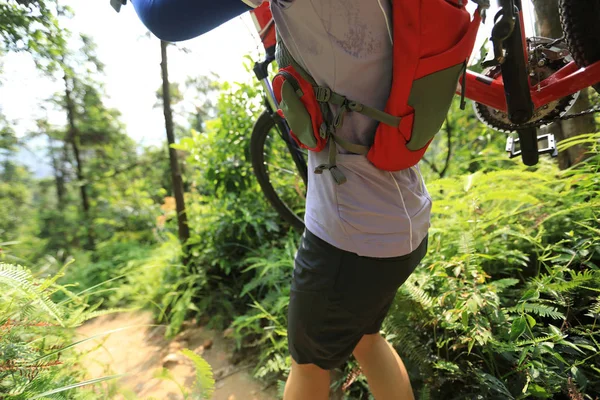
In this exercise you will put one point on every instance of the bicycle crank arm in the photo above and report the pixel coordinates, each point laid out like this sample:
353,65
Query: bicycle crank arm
546,144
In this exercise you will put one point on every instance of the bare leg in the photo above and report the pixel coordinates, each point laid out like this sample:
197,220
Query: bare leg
385,371
307,381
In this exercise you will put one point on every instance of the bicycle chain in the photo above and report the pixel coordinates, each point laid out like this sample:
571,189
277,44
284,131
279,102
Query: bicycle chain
542,122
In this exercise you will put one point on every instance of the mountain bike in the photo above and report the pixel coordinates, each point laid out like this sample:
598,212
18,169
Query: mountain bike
528,84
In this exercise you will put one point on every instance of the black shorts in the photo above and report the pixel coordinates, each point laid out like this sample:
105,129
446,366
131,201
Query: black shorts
337,297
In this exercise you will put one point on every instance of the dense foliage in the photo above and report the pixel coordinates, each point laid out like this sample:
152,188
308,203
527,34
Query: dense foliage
37,356
505,305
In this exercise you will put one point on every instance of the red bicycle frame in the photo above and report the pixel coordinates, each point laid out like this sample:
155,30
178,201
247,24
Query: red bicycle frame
568,80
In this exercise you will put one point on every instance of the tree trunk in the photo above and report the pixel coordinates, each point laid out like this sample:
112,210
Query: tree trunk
548,25
59,176
184,231
73,139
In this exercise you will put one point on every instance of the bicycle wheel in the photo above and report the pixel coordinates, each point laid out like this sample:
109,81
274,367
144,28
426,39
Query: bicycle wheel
280,168
580,21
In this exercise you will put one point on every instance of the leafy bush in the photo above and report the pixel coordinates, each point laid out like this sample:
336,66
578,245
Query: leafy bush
99,273
37,359
505,305
227,212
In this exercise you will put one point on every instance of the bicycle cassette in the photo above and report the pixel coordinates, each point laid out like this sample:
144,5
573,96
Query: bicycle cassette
546,57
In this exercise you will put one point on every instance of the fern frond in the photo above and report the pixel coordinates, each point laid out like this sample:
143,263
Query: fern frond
20,278
52,280
417,294
409,345
538,340
466,243
204,375
425,393
542,310
595,309
17,277
578,279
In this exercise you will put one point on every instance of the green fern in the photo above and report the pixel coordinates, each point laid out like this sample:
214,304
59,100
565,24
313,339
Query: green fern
578,279
408,345
540,339
205,381
425,393
595,309
541,310
20,278
417,294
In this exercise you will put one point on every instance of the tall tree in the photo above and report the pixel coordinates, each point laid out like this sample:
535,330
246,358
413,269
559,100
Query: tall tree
8,146
58,153
182,222
548,25
204,89
74,138
91,131
32,25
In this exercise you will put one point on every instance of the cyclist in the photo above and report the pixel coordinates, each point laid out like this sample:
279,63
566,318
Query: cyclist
363,238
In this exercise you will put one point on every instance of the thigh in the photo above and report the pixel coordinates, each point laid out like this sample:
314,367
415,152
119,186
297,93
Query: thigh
319,332
366,286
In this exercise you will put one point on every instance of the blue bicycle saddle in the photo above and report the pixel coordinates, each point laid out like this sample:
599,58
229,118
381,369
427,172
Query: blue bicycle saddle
177,20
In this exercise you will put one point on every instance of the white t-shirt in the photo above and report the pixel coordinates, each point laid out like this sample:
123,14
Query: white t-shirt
346,46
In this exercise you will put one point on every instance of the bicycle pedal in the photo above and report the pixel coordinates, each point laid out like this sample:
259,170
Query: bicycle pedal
546,145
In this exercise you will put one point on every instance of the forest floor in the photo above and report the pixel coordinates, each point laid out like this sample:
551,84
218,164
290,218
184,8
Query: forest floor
142,350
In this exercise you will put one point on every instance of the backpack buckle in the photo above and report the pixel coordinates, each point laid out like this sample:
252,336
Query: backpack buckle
355,106
323,131
337,175
323,94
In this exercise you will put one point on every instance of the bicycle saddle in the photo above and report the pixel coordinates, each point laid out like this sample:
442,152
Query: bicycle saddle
177,20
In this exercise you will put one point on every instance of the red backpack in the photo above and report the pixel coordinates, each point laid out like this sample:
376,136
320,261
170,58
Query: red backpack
433,40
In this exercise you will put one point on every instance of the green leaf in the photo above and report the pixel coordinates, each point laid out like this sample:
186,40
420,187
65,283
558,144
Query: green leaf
495,384
531,294
204,376
77,385
571,345
518,328
523,355
538,391
530,320
470,346
555,330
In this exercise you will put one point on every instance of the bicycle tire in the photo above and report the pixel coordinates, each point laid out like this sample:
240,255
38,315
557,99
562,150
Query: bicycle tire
580,22
529,146
263,126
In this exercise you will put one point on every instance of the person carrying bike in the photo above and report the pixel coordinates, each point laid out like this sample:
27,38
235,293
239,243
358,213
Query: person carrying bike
363,238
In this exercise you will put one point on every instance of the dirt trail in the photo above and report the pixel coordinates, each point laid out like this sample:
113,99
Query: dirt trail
141,351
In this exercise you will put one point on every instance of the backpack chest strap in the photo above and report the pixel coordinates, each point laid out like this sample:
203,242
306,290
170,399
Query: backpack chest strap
326,95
